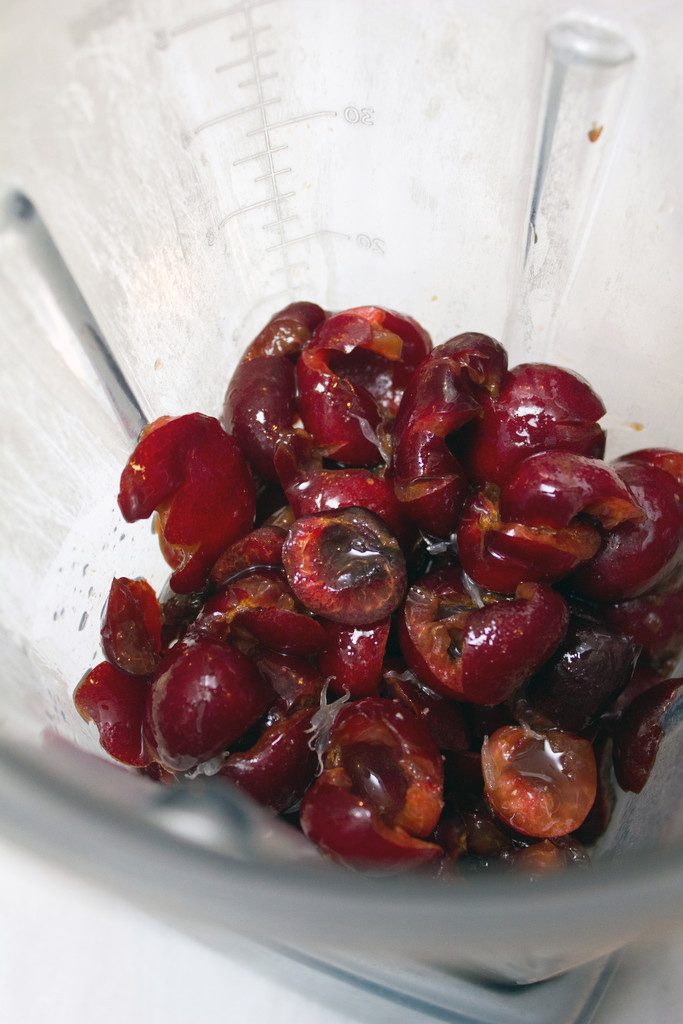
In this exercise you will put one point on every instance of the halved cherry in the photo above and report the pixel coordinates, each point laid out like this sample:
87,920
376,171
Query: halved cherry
342,416
500,555
115,702
539,408
478,654
131,629
296,682
381,790
345,565
259,548
635,557
443,395
352,659
666,459
195,477
280,766
552,488
204,697
600,813
443,718
541,785
639,733
655,621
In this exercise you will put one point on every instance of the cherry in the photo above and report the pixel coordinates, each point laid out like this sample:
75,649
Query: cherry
591,666
639,733
441,397
115,702
635,557
281,765
501,555
478,654
204,697
669,461
195,477
311,489
345,566
381,790
131,630
342,416
261,605
552,488
352,659
599,816
539,785
296,682
655,621
539,408
540,858
443,718
259,548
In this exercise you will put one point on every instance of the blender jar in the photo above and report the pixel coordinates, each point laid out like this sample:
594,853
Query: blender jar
170,174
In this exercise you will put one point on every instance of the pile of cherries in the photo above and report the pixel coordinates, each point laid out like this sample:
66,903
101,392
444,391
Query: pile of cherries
411,608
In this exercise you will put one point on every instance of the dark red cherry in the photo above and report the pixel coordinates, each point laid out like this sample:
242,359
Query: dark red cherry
204,697
131,629
352,659
345,566
280,766
443,718
539,785
587,671
639,733
655,621
539,408
478,654
115,702
635,557
259,548
296,682
381,790
194,476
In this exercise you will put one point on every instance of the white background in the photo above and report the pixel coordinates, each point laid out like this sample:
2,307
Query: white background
70,954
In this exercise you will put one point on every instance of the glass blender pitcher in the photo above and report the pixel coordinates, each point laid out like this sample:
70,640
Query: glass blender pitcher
173,172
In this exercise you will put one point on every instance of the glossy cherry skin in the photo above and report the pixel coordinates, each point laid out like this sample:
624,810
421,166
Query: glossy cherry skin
539,785
310,488
500,555
479,655
598,818
115,702
587,671
259,548
539,408
539,859
635,557
345,566
280,766
342,416
443,718
195,477
352,659
639,733
666,459
552,488
381,789
297,683
655,621
440,398
204,697
131,629
261,604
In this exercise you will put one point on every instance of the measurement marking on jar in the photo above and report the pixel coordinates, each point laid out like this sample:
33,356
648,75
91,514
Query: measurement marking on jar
257,156
276,223
255,206
294,120
247,32
252,81
207,19
359,115
271,174
242,61
235,113
304,238
375,245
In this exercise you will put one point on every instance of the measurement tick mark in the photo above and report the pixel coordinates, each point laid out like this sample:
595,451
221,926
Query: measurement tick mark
304,238
254,81
243,60
272,174
235,113
277,223
254,206
257,156
207,19
292,120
